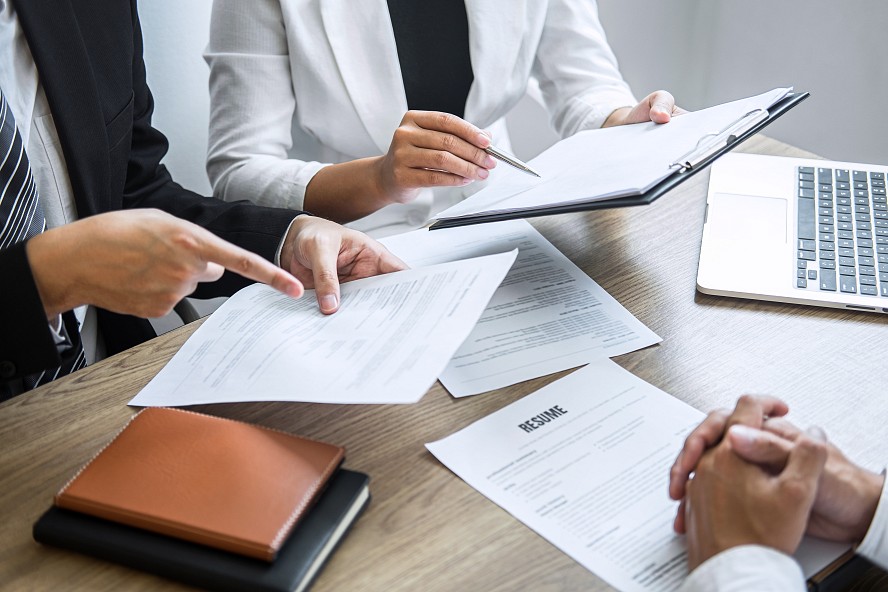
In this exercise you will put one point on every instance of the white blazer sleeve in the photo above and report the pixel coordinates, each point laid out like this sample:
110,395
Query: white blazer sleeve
577,70
744,568
252,106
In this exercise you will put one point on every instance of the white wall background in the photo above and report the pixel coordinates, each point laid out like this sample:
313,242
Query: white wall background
703,51
176,34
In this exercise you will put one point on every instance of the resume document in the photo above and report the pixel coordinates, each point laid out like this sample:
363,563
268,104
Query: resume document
584,462
546,316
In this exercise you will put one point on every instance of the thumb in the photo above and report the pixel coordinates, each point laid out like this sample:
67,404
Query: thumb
661,105
323,261
759,447
211,273
326,289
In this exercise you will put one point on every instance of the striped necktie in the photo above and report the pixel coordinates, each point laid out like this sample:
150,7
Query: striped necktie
21,218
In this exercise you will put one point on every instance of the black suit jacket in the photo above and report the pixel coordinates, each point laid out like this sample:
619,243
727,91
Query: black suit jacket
89,58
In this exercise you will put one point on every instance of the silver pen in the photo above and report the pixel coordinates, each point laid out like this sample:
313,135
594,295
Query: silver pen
511,160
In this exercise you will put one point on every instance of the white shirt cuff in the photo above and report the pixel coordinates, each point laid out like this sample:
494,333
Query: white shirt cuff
600,106
57,328
875,544
277,254
748,567
60,334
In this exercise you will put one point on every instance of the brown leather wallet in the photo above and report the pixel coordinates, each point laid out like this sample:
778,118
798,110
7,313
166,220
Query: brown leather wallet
205,479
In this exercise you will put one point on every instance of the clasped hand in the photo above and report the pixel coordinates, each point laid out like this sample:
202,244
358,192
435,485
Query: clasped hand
751,477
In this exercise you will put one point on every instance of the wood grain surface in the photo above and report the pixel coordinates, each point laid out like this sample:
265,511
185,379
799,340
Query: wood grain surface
425,529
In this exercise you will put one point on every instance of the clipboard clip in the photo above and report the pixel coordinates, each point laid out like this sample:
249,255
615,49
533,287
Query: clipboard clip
711,143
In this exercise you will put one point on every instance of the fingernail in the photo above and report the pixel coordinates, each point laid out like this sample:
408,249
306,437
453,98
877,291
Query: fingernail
483,141
490,162
328,302
483,173
289,286
467,181
744,435
817,433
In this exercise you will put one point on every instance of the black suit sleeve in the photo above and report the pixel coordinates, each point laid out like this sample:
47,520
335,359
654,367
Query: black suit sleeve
149,185
136,179
27,345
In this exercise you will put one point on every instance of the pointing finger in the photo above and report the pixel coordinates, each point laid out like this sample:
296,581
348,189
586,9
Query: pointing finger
211,273
250,265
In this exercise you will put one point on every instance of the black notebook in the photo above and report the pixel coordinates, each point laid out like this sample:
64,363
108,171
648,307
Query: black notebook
684,166
298,562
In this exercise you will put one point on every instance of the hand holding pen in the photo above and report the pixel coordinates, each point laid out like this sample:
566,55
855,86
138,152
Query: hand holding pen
434,149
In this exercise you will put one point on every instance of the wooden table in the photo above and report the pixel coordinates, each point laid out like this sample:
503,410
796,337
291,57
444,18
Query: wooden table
425,528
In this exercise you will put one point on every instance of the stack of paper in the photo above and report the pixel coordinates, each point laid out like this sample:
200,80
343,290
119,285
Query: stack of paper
547,316
613,162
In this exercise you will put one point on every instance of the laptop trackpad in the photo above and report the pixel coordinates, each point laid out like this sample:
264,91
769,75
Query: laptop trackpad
749,218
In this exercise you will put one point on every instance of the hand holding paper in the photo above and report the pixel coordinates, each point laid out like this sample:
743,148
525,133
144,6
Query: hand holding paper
387,344
322,254
615,162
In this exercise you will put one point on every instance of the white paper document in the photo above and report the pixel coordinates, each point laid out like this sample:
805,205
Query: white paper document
606,163
546,316
585,462
389,341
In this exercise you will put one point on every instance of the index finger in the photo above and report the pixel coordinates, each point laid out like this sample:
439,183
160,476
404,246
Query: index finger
782,427
760,447
807,458
704,436
751,410
248,264
447,122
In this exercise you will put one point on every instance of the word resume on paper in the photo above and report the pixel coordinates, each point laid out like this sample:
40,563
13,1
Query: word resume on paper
585,462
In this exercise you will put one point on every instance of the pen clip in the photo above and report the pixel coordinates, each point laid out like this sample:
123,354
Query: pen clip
710,143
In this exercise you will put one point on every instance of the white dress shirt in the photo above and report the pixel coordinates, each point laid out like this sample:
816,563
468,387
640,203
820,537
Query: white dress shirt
21,86
299,84
763,569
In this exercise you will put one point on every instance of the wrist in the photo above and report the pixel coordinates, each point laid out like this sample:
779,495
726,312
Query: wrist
617,117
722,544
288,247
381,186
869,486
347,191
49,275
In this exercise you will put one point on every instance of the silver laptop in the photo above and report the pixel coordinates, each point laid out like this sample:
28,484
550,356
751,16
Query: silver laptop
796,230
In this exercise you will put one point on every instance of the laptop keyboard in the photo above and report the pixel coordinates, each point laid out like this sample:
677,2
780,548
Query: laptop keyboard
843,231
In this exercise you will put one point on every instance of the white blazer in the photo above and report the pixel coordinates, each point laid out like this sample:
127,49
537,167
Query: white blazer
297,84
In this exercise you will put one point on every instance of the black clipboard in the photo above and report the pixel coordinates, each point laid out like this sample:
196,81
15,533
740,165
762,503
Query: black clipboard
708,149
